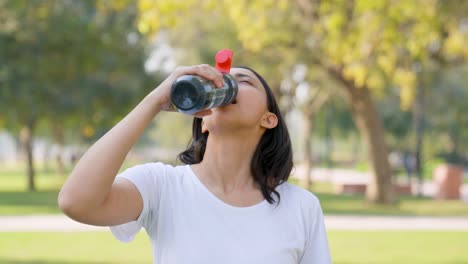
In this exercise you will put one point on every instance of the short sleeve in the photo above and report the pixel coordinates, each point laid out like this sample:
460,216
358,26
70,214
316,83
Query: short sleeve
316,249
149,180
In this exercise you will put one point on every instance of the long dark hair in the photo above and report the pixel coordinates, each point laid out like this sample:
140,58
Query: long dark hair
272,161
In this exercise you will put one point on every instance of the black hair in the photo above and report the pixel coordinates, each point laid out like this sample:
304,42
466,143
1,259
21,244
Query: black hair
272,161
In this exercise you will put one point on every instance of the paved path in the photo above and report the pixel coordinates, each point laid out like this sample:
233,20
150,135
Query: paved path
60,223
54,223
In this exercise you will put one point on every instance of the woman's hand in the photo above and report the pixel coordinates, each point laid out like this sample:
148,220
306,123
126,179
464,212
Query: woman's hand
91,195
162,93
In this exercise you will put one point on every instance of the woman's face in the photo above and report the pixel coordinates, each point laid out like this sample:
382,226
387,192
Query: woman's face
248,112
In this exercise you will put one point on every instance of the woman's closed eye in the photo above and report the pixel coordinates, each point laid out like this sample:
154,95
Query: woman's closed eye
245,81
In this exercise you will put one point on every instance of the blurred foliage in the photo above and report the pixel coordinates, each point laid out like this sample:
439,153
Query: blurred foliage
172,130
67,69
373,43
366,47
447,113
70,64
77,66
376,44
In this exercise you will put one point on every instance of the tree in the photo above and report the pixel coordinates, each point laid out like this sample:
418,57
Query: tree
446,117
309,99
68,63
366,46
369,46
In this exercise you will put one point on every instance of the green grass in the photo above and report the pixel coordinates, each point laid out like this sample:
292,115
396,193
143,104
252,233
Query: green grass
14,179
404,206
14,200
386,247
26,203
68,248
347,247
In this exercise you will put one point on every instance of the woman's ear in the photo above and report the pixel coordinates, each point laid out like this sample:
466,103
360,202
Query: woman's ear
203,127
269,120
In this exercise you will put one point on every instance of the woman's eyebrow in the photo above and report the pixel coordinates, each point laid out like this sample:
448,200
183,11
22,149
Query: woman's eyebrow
240,75
254,81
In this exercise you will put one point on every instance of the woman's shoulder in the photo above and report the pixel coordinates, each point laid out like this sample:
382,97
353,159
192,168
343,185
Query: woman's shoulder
160,169
157,165
293,194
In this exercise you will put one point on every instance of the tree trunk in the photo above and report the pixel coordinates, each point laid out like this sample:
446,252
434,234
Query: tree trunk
379,190
309,111
307,181
454,149
26,137
368,122
46,160
328,137
60,141
418,120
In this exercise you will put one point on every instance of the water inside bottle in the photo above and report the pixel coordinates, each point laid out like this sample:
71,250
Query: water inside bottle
215,97
186,95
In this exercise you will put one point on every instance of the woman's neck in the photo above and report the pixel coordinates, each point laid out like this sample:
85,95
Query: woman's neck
226,163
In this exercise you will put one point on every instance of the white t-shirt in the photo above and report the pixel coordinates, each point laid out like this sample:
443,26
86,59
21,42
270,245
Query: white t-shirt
187,224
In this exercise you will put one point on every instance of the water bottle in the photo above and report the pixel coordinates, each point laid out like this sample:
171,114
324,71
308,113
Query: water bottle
192,93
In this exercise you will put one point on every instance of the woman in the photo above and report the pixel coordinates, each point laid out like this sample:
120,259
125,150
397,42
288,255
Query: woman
230,203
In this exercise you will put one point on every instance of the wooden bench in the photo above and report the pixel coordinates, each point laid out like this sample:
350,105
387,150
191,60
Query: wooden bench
360,188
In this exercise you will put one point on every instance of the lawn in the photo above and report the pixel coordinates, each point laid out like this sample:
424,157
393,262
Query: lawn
14,200
346,248
68,248
385,247
405,206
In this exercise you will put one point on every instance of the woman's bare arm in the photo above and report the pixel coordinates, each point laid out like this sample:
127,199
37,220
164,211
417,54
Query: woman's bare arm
91,194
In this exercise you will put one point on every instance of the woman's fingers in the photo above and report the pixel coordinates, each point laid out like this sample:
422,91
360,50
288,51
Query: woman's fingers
204,70
211,74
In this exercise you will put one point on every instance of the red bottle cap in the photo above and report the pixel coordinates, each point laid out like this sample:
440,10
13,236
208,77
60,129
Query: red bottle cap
223,60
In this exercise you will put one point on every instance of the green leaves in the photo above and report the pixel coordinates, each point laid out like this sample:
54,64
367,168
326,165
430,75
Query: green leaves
70,61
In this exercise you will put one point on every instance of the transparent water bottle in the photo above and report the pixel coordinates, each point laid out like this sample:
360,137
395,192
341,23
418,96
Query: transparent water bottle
192,93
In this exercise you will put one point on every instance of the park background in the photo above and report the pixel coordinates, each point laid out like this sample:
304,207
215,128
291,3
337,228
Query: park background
374,92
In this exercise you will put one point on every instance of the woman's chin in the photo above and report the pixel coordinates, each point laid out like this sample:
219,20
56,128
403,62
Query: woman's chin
226,107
